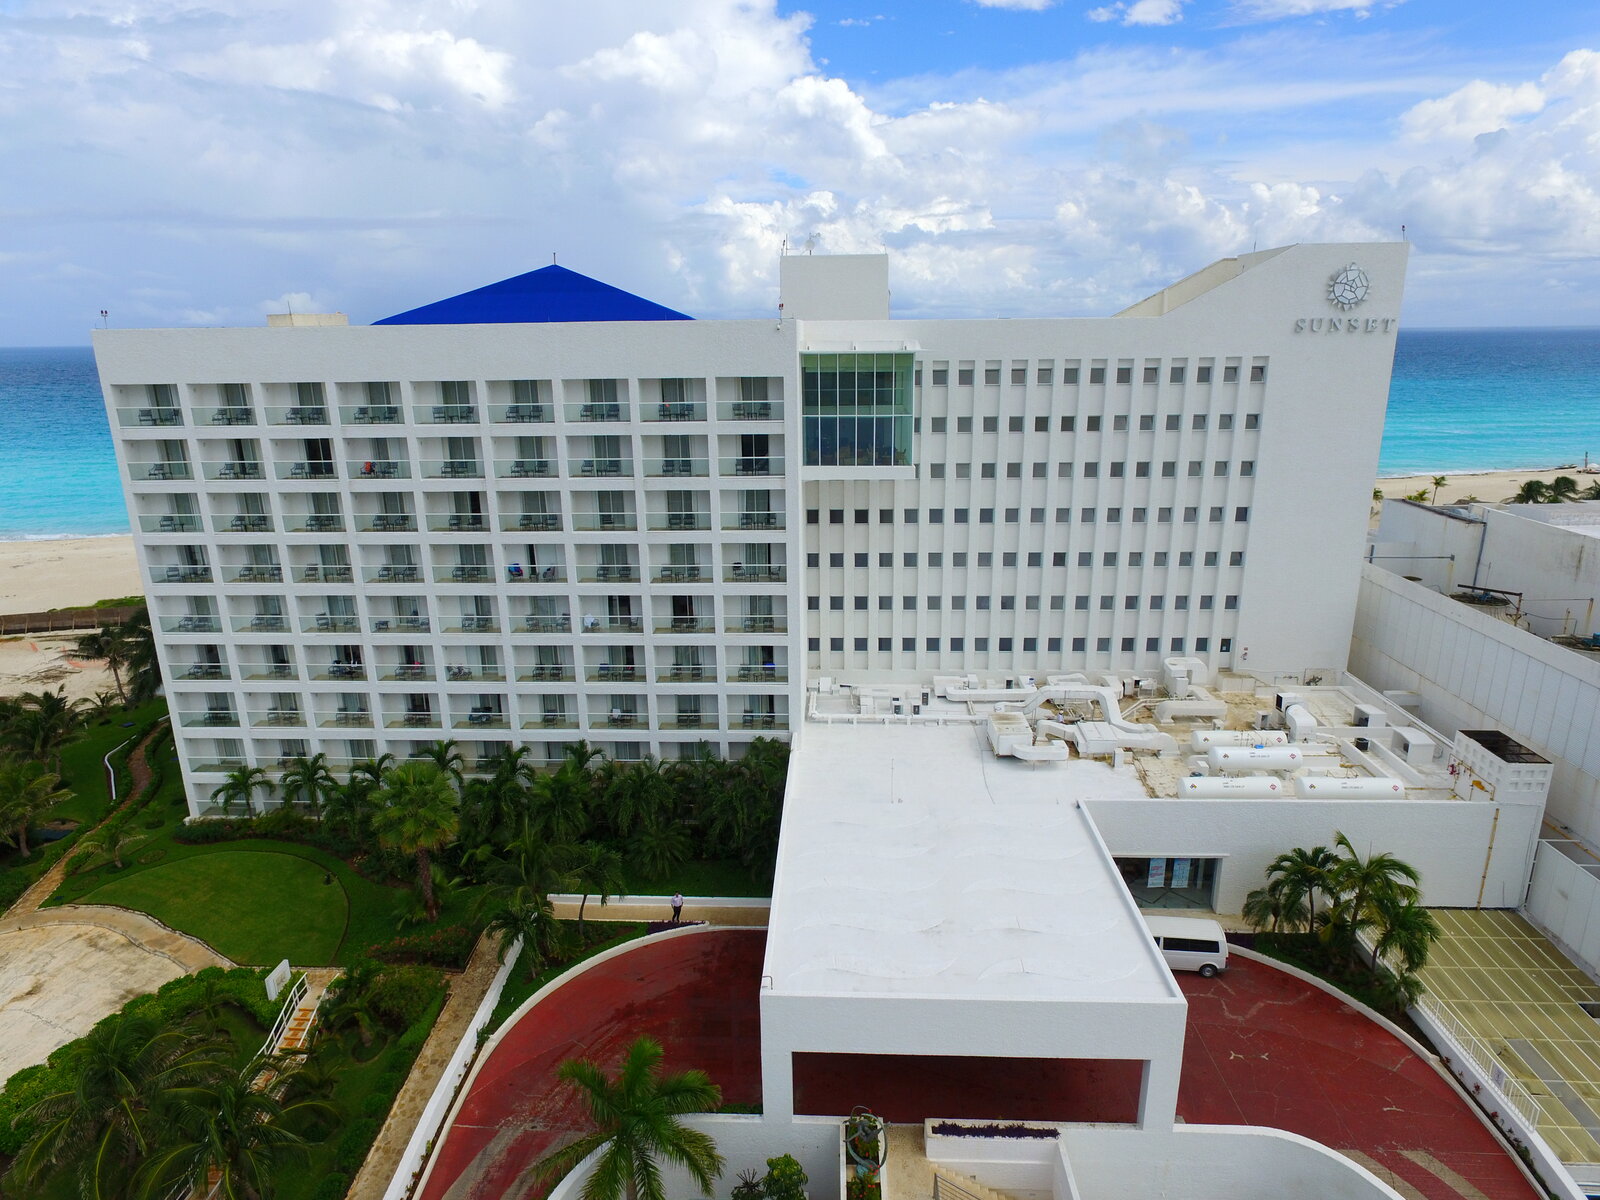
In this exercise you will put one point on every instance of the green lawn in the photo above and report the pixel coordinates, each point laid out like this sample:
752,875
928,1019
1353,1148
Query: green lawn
82,765
703,877
254,907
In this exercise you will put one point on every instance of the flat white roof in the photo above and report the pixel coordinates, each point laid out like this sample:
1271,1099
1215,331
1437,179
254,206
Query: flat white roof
914,862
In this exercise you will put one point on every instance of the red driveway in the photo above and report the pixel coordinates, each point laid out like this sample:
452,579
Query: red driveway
698,995
1264,1048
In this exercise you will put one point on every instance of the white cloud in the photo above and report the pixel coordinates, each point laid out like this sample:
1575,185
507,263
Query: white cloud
1274,10
1468,111
1018,5
1140,12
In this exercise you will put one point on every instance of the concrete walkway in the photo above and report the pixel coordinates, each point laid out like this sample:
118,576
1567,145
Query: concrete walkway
737,914
467,991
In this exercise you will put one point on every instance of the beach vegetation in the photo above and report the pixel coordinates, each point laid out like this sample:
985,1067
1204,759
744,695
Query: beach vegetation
1438,482
1356,920
1563,489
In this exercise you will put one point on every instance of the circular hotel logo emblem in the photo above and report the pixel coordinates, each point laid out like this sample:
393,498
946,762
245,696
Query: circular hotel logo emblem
1348,288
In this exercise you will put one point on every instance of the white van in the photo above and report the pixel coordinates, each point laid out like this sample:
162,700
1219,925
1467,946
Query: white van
1190,943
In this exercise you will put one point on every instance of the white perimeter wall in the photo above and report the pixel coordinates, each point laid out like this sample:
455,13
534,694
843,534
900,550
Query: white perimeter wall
1448,841
1473,671
1565,899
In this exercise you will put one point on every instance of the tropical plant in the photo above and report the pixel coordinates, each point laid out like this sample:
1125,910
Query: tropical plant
240,787
417,815
637,794
660,846
308,780
597,871
1563,489
349,1002
1420,496
225,1138
1438,482
128,1073
27,790
533,921
108,842
446,755
41,723
143,665
636,1125
1361,887
111,645
1530,491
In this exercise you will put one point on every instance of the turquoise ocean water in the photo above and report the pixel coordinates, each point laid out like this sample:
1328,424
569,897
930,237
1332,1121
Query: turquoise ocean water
1462,401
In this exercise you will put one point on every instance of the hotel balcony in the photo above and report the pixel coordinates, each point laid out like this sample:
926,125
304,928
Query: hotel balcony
149,418
689,720
750,410
760,673
242,523
406,673
278,718
470,623
180,574
253,573
233,469
676,468
531,522
170,523
191,624
377,468
751,464
609,411
298,414
163,471
607,672
551,720
546,673
345,719
331,623
521,414
608,573
523,468
479,716
217,766
756,573
760,721
447,414
682,573
339,671
258,669
225,414
305,468
687,673
472,673
393,573
593,522
679,520
462,573
457,522
261,623
386,522
752,520
452,468
556,624
413,720
401,624
517,573
324,573
369,414
202,670
681,410
209,718
703,623
599,624
760,623
314,523
604,468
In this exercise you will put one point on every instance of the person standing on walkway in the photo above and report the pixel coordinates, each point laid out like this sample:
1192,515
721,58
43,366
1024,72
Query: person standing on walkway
677,908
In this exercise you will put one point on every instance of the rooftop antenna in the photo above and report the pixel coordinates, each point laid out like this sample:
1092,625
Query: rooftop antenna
105,320
552,258
1403,237
783,248
811,243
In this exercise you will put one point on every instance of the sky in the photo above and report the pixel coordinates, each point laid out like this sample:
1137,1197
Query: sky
206,162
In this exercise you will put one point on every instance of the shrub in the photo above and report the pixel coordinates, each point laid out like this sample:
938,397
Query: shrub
353,1144
401,996
450,946
332,1187
786,1179
377,1104
202,833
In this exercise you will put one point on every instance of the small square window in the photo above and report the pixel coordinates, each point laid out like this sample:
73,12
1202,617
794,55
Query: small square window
1113,515
1207,603
1013,470
1117,470
1041,470
1219,469
937,424
1210,558
1008,558
959,603
963,470
885,559
812,516
1258,373
1174,422
1091,424
1236,558
1175,375
1013,515
1159,558
1169,469
1107,603
1127,645
1195,468
1119,424
861,603
1053,646
1201,645
1252,420
886,516
1035,558
933,645
991,424
1163,515
863,516
1198,421
958,559
1202,375
836,516
980,602
1230,374
959,516
1030,645
1097,374
909,645
963,424
941,376
1069,375
986,470
1079,645
863,560
991,376
1102,645
813,603
911,516
1058,558
1230,602
1086,515
1124,374
1152,374
957,645
1080,604
1186,558
835,603
1139,515
1225,646
908,603
1008,603
1191,514
908,559
981,645
814,644
1181,603
1147,422
836,560
836,645
1091,470
1247,467
1215,514
885,603
1130,602
1136,558
813,559
1224,420
986,516
936,559
1005,645
1241,515
1041,424
1019,376
1085,558
985,558
1063,516
861,645
1058,603
1108,558
1045,375
1152,645
1067,424
936,516
1014,424
964,376
1141,470
885,645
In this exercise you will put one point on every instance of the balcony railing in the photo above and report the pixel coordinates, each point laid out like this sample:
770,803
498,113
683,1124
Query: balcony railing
266,670
687,673
546,673
255,573
752,520
616,673
757,573
180,574
560,624
298,414
209,719
531,522
394,573
608,573
472,624
462,573
750,410
704,623
407,673
326,573
261,623
480,718
676,411
305,468
149,417
604,467
456,522
761,673
617,719
598,624
170,523
520,414
603,522
676,467
204,670
386,522
462,673
597,412
681,573
345,720
369,414
227,414
377,468
400,624
679,520
758,624
447,414
752,464
160,472
332,623
517,573
551,720
314,523
524,468
191,624
694,720
413,720
452,468
245,523
755,720
350,672
216,766
233,469
278,717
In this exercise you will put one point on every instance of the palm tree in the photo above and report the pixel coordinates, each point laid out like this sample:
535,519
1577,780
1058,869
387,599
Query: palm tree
308,779
1531,491
127,1070
1438,482
27,789
597,871
240,788
227,1139
660,846
1405,933
110,842
144,667
44,722
112,645
1592,492
637,793
1360,889
417,815
447,756
558,804
534,922
349,1003
636,1124
1563,489
1304,876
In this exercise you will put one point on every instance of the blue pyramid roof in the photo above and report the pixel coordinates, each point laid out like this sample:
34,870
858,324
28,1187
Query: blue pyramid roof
549,294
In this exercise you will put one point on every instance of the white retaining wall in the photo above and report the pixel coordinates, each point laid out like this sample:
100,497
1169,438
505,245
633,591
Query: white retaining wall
1565,900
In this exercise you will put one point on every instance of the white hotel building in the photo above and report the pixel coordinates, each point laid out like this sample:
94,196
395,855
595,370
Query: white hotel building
548,509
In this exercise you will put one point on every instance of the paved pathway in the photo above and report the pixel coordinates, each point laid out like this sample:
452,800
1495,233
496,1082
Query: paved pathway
659,909
697,995
467,991
1265,1048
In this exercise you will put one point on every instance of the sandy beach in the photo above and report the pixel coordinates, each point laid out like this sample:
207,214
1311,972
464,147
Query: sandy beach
1487,487
40,575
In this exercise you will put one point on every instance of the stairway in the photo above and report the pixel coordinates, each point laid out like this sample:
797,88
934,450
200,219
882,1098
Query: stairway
296,1035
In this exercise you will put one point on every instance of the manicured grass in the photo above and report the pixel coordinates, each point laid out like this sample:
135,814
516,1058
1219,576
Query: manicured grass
254,907
82,766
704,877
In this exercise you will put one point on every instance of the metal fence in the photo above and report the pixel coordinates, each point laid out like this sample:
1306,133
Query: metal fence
1518,1098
